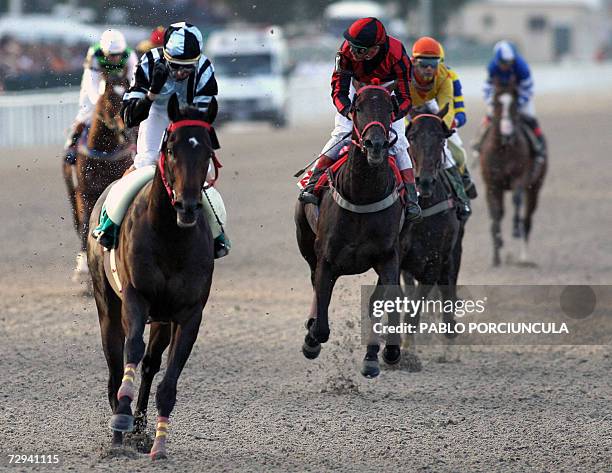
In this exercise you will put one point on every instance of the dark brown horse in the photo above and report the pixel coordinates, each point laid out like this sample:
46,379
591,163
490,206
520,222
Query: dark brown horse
507,164
104,160
431,249
354,231
165,266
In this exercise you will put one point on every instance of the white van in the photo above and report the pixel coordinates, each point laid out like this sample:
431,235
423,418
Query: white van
251,67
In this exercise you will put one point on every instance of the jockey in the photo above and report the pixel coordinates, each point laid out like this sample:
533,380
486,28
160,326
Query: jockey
508,64
180,68
110,56
432,85
455,143
155,40
368,53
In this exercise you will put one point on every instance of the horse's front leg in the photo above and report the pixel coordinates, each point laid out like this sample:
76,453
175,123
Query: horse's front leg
182,342
517,199
495,201
370,367
318,332
159,338
135,309
389,280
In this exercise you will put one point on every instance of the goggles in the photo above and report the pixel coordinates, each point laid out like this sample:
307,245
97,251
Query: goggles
424,62
360,50
181,67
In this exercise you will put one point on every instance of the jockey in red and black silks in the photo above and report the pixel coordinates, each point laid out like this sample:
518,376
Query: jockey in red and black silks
390,64
368,54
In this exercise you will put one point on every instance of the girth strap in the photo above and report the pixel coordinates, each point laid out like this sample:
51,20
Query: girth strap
438,208
361,209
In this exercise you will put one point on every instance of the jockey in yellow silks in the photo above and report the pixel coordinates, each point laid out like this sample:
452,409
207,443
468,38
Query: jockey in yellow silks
432,86
455,143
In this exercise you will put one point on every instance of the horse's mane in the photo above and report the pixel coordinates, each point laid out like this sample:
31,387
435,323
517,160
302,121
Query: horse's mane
420,110
190,112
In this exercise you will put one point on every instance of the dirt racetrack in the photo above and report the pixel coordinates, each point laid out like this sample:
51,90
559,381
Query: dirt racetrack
248,400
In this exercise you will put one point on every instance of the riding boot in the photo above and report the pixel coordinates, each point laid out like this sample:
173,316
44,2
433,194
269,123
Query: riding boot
308,195
463,209
70,147
539,145
480,136
412,209
468,184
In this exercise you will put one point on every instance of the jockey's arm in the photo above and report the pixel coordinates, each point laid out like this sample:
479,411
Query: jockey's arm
91,82
402,70
458,100
341,84
524,81
130,67
137,101
445,97
206,90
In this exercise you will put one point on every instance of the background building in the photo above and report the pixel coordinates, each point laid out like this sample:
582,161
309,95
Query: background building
544,30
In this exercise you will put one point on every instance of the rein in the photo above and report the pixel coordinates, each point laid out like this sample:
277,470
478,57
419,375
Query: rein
445,204
165,149
386,129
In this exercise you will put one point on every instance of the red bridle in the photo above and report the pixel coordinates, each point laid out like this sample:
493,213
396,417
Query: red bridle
369,125
162,155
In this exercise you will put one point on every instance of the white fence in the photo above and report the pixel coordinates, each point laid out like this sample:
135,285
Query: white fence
36,119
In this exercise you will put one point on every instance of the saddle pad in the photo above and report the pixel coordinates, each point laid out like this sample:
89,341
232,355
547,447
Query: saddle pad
124,190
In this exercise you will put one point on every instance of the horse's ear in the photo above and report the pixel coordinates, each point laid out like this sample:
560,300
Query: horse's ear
174,110
444,111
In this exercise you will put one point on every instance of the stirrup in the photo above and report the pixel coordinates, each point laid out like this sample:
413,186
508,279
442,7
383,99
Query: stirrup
413,212
221,246
464,211
70,157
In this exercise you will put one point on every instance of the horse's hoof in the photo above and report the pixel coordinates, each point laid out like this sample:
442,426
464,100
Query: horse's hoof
392,355
311,352
370,368
122,423
158,455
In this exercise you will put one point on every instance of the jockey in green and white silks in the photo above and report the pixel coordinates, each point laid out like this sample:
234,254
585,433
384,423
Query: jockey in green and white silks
180,68
109,56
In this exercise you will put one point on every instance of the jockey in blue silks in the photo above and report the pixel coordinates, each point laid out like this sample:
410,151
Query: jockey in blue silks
508,64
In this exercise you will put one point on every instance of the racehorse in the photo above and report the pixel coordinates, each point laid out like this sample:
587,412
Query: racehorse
507,164
164,262
358,225
103,160
431,249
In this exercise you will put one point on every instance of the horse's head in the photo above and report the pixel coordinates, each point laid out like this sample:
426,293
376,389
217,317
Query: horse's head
426,134
112,88
505,107
373,108
184,160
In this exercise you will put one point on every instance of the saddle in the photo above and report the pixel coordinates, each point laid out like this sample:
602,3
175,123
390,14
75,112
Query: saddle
123,192
327,178
326,181
119,153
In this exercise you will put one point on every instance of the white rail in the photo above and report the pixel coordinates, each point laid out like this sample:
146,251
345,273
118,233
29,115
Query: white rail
36,119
